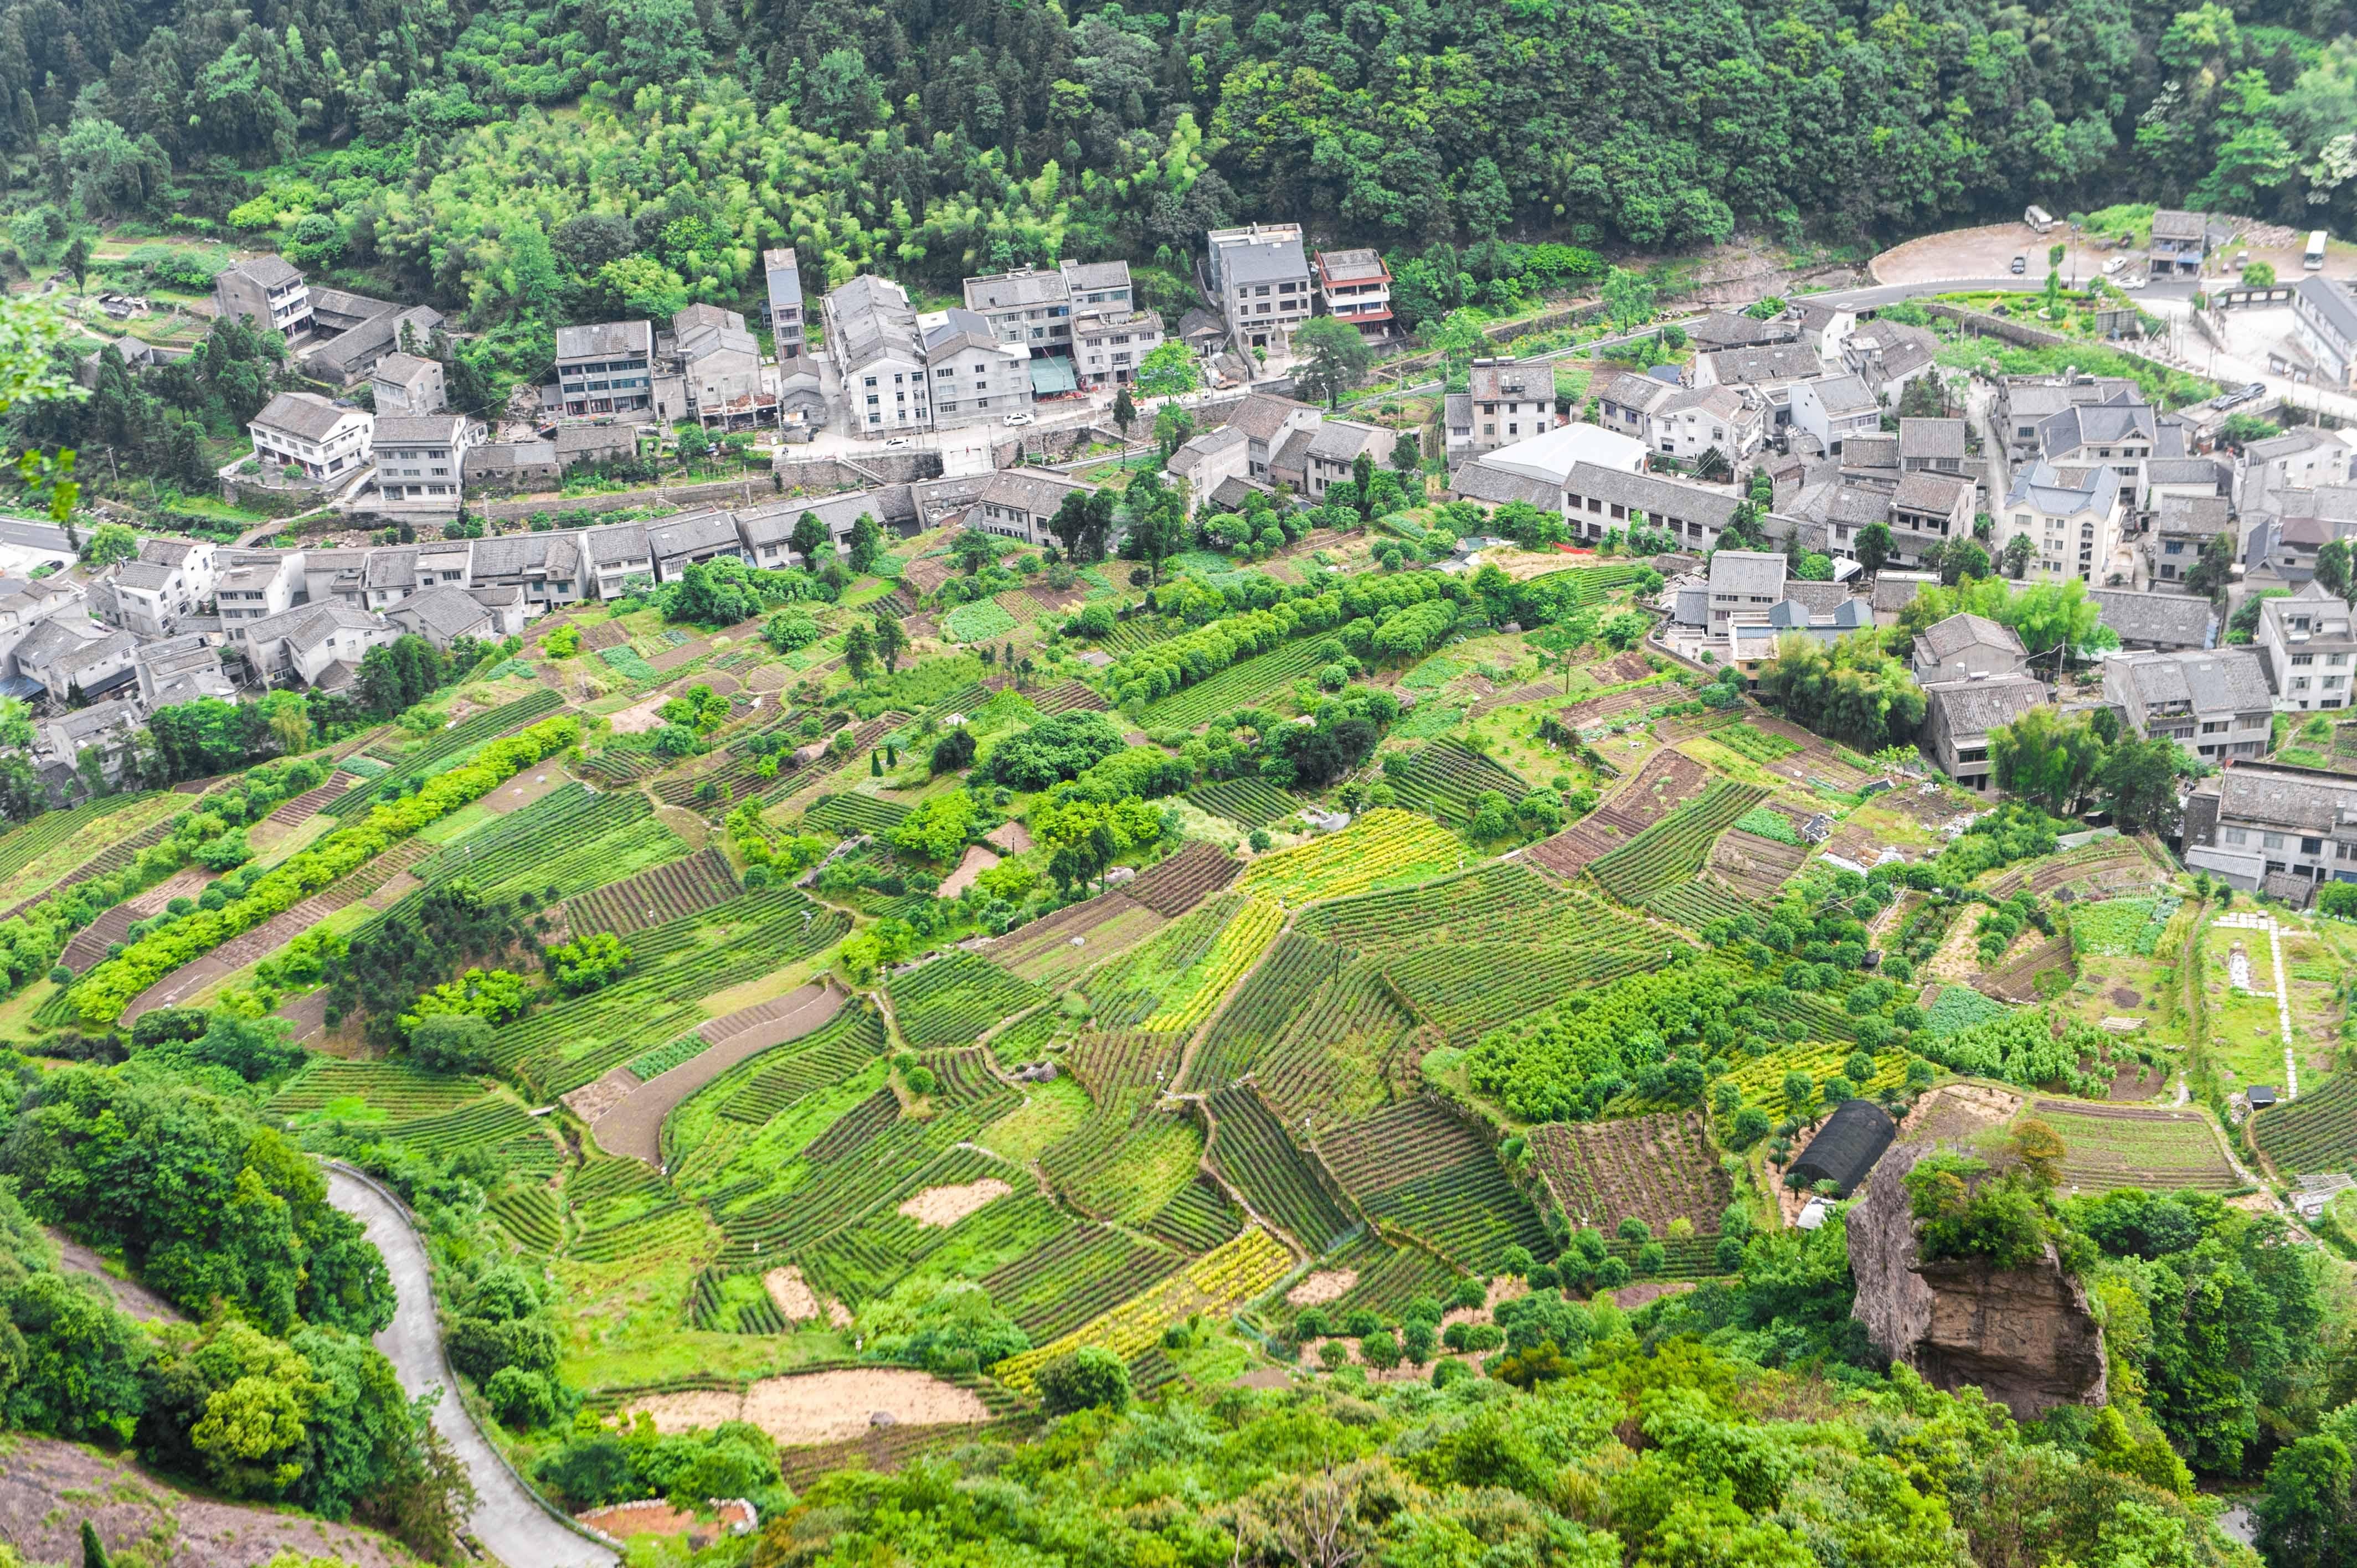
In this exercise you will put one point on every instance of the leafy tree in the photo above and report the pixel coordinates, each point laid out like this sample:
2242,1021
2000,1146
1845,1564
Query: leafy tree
108,543
858,651
1169,369
1852,693
2259,275
2308,1515
1125,412
1089,1378
809,539
792,630
1873,546
1335,358
1173,426
2332,569
866,543
452,1042
1627,298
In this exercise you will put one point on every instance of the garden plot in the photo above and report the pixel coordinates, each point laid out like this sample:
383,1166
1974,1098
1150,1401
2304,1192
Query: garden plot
1656,1168
1056,949
1171,887
819,1407
1420,1169
2315,1134
2108,1147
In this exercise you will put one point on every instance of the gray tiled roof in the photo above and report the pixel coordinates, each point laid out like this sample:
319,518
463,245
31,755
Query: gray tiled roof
1199,449
1843,394
1038,493
693,534
2171,224
2285,797
1747,572
615,545
1263,414
601,340
1478,481
2180,618
784,276
1871,451
1946,638
1919,491
1340,440
270,272
446,611
1932,438
430,429
1007,291
1818,598
2184,471
1657,497
1630,389
2224,681
304,414
1857,506
2202,515
1975,707
145,575
1729,329
1268,260
1767,363
1896,590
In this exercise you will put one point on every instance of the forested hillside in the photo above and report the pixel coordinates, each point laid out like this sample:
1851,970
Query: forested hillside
932,139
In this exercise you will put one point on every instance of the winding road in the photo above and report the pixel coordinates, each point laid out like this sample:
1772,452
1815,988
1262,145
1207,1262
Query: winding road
512,1524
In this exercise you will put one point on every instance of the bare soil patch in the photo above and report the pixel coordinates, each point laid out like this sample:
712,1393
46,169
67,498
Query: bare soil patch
1325,1286
639,717
977,861
1628,1298
48,1488
824,1407
796,1302
944,1206
592,1100
2124,997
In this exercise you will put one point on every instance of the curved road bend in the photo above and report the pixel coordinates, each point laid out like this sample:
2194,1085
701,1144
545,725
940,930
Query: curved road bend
508,1520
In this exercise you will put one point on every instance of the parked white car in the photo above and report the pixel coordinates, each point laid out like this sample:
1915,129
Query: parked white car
1014,419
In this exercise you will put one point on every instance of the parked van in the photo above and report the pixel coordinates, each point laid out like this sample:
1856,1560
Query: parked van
2314,260
2039,220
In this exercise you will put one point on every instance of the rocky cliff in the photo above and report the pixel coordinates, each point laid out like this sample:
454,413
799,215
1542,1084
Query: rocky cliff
2023,1337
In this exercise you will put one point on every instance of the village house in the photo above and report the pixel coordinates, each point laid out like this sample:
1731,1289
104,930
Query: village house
2309,648
309,437
2214,704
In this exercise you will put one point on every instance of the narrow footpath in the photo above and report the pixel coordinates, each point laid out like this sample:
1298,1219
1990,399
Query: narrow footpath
511,1523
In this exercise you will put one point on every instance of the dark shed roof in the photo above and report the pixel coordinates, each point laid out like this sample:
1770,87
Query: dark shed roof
1853,1138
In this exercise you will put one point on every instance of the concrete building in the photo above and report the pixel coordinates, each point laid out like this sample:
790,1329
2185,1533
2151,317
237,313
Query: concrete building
1887,355
1750,642
1744,585
1109,345
356,332
2023,402
171,580
320,645
1960,715
2182,528
421,462
606,369
1356,286
317,439
782,308
2070,517
1015,503
544,568
2260,819
1967,648
727,386
872,331
1625,406
76,659
2309,648
2324,314
1260,280
1933,446
2302,459
975,378
617,557
1695,422
1334,449
1512,401
1767,371
2215,704
1835,408
443,615
266,290
403,385
255,584
2158,622
171,670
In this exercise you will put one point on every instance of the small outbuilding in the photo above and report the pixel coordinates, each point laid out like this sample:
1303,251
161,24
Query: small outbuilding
2261,1095
1846,1147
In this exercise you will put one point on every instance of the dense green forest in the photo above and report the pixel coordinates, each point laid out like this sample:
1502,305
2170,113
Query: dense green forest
414,144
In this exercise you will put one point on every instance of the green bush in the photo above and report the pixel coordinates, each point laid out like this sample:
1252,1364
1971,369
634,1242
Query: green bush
1089,1378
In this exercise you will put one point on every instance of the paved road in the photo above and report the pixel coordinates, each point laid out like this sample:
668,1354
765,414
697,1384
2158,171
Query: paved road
511,1524
32,533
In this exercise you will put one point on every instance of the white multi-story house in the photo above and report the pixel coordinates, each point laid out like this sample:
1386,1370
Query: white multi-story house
1744,585
171,580
1356,286
319,439
1015,503
1697,420
421,462
2070,517
266,291
1510,401
2325,315
2309,648
1835,408
872,331
727,384
257,583
317,645
1261,280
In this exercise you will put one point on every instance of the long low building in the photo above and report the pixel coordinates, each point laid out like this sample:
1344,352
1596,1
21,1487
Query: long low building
2255,822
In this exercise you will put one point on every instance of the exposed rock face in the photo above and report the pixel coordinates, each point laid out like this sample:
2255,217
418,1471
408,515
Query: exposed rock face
2024,1336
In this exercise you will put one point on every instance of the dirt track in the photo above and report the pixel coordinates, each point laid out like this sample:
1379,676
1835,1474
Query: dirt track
634,1126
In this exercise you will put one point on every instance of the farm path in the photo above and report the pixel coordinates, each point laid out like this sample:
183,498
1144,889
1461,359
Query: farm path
512,1524
634,1125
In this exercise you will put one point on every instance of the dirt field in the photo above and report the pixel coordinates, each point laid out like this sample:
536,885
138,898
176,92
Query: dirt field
824,1407
1323,1286
946,1206
977,861
1982,254
48,1488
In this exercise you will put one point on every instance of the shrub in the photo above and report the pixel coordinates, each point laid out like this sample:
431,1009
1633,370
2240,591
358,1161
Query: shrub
954,751
1417,1341
520,1399
450,1042
1087,1378
1380,1349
